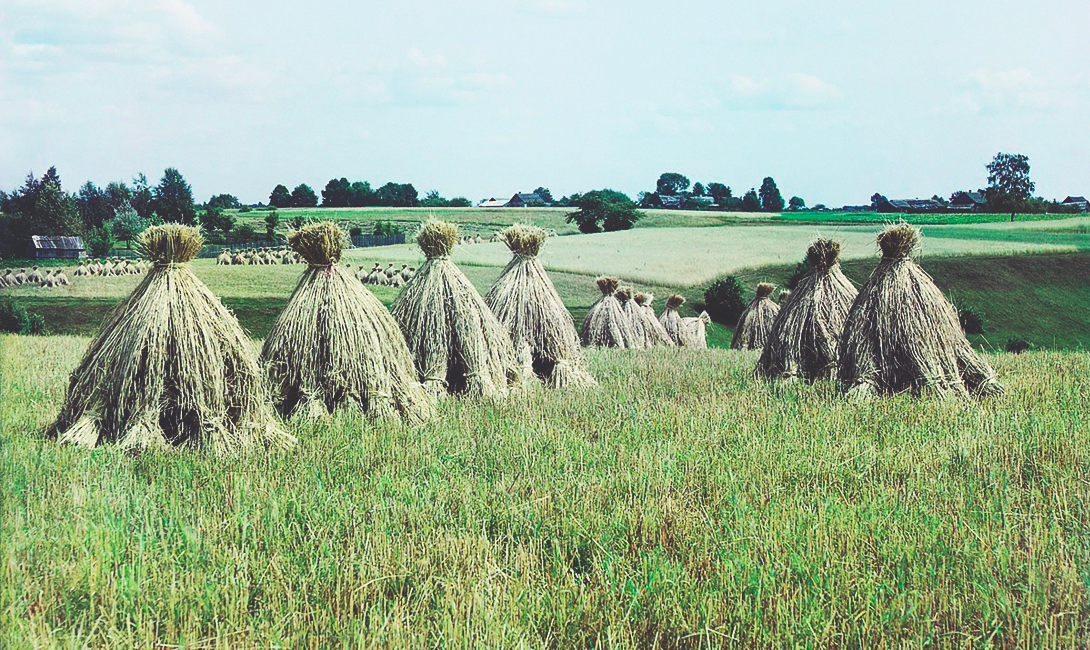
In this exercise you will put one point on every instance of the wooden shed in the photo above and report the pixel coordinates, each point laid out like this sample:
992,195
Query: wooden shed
55,248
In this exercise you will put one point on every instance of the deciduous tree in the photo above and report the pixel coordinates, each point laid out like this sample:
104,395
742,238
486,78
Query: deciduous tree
174,199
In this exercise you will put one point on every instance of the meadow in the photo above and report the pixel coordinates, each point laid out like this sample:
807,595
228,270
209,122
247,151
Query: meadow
680,504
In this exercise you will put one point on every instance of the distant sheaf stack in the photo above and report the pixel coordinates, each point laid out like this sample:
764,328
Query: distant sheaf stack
525,301
644,314
605,324
902,334
805,336
755,323
335,345
671,320
457,344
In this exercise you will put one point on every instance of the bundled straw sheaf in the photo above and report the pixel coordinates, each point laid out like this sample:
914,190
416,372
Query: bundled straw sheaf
643,318
694,331
170,366
605,324
755,323
805,335
335,345
671,320
457,344
526,303
633,313
901,333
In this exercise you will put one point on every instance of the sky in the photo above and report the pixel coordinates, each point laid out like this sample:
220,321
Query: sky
834,100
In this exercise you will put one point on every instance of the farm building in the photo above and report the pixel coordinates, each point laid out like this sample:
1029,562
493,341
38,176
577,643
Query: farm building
519,200
971,201
55,248
1077,201
910,206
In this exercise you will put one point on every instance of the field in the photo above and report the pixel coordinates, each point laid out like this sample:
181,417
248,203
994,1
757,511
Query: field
680,504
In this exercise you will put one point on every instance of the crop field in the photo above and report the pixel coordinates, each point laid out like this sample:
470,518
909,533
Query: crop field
681,504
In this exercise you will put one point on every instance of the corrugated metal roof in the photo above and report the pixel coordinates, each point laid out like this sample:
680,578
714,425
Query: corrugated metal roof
60,243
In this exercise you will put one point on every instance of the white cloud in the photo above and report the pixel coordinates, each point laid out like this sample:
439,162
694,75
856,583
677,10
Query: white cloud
1011,91
789,91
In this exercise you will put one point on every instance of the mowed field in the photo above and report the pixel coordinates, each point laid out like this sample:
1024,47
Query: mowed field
680,504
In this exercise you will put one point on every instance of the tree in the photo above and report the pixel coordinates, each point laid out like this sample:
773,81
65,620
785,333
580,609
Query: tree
606,210
360,195
224,202
99,241
1009,186
143,199
750,202
337,193
400,195
672,183
52,211
174,199
460,202
698,189
877,198
245,233
280,197
215,219
127,224
771,200
797,203
93,206
303,197
433,200
117,195
545,194
272,220
720,193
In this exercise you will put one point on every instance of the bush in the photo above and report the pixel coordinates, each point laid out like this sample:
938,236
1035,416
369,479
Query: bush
244,209
99,241
801,269
725,300
245,233
14,319
355,231
1019,344
387,228
972,319
606,210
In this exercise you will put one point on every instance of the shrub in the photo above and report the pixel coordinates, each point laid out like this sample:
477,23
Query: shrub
972,319
244,209
355,231
801,269
387,228
725,300
14,319
1019,344
245,233
100,241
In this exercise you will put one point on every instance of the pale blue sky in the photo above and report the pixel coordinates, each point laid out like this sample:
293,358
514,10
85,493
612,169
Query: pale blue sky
834,100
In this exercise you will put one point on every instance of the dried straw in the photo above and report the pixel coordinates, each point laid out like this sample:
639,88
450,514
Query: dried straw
643,317
335,345
170,366
902,334
457,344
671,321
755,323
694,331
805,336
605,324
526,303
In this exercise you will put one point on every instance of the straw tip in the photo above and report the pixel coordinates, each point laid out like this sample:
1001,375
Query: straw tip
171,243
318,243
823,253
624,294
765,289
898,240
523,239
675,301
437,238
607,285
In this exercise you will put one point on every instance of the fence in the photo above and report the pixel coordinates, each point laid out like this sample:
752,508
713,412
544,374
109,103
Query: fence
366,241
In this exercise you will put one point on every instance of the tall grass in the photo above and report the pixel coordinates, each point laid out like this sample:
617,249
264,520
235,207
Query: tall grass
682,504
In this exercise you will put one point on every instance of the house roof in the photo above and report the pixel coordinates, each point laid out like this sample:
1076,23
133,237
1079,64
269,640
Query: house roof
1075,199
58,243
528,197
974,197
493,202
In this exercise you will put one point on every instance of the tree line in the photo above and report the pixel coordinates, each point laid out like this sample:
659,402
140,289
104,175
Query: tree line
341,193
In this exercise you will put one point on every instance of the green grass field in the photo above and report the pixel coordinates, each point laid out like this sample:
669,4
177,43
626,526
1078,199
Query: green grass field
682,504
